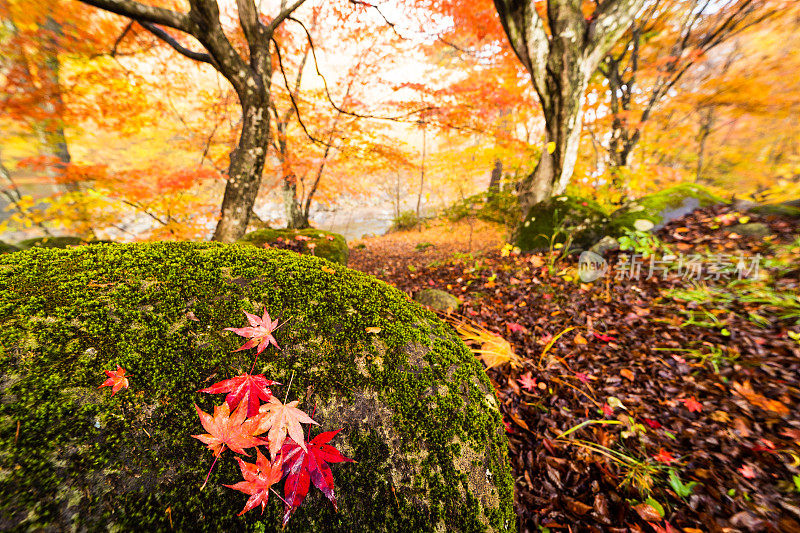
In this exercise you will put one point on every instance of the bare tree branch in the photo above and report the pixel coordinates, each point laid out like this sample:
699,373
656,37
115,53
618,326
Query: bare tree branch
142,12
175,45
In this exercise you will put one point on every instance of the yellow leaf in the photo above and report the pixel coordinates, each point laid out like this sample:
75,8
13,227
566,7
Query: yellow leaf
374,330
551,147
580,339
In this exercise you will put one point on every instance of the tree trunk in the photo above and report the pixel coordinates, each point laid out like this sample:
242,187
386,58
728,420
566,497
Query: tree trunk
706,123
497,175
244,173
296,217
563,113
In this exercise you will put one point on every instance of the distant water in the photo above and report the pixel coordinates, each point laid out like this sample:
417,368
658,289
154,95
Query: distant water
354,223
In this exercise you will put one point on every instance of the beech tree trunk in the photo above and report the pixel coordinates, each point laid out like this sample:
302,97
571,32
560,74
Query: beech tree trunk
244,174
561,54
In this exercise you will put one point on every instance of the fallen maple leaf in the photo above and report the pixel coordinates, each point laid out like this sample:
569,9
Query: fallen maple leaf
258,478
691,404
527,382
604,338
584,378
246,387
281,419
516,328
654,424
116,380
663,456
607,410
259,332
747,471
304,466
225,430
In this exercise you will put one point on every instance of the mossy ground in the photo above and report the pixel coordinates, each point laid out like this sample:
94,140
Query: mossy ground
418,412
652,207
559,217
330,246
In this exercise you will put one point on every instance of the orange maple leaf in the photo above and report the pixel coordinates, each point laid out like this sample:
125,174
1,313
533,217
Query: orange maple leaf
226,430
664,456
281,419
116,380
258,478
692,404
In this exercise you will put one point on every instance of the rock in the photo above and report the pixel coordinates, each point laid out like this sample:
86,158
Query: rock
418,413
562,215
438,300
653,212
6,248
51,242
327,245
784,209
753,229
605,245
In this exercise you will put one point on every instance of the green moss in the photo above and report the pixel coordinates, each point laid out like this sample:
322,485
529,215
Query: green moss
330,246
501,207
418,412
51,242
6,248
657,209
785,209
559,217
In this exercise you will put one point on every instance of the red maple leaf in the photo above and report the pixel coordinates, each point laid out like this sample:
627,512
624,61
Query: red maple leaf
225,429
259,332
604,338
258,478
116,380
527,382
692,404
303,467
608,410
248,388
664,456
654,424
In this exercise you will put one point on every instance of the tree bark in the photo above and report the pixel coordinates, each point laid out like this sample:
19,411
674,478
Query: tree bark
560,55
497,176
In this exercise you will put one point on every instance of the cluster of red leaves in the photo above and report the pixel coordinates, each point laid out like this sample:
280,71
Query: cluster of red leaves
242,420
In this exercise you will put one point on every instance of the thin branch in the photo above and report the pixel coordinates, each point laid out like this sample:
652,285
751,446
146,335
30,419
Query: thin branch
120,38
283,15
178,47
328,93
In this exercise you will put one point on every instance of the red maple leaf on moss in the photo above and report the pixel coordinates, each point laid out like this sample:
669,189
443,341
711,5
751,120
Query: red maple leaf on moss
259,332
225,429
258,479
251,390
281,419
302,467
116,380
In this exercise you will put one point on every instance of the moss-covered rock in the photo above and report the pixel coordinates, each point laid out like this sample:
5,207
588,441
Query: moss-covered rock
418,412
51,242
562,216
656,210
6,248
785,209
327,245
437,300
752,229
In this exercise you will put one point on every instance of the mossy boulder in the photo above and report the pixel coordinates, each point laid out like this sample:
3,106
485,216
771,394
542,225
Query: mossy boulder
653,212
51,242
327,245
417,410
437,300
752,229
785,209
6,248
559,217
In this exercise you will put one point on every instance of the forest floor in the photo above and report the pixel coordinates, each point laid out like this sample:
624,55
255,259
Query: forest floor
681,402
